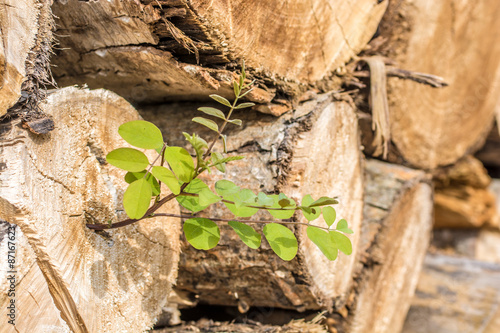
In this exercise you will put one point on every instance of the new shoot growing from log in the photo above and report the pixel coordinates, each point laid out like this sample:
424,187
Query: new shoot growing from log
179,171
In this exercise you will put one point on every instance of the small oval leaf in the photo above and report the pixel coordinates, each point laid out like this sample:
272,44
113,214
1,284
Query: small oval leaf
329,215
202,234
245,105
324,201
236,122
282,240
166,176
282,213
212,112
226,187
314,212
207,122
342,226
181,163
142,134
221,100
137,198
129,159
131,177
247,234
341,241
323,242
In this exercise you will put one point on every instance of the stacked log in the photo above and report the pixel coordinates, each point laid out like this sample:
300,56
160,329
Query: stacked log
455,295
156,51
435,127
52,185
166,51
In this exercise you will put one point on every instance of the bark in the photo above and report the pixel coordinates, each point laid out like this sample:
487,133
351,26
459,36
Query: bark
442,38
148,51
463,198
50,186
455,295
25,31
313,151
394,237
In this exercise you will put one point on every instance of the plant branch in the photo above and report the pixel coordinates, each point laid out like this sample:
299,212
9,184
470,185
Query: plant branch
186,194
184,216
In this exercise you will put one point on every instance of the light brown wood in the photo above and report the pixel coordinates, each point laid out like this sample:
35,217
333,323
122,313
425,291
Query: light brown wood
24,25
455,295
50,186
147,51
394,237
314,151
435,127
463,198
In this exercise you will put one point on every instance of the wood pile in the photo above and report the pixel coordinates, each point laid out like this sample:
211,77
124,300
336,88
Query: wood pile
412,83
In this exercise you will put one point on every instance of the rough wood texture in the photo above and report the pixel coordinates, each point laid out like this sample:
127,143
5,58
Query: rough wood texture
455,295
463,198
34,311
50,186
21,27
314,150
435,127
395,234
147,50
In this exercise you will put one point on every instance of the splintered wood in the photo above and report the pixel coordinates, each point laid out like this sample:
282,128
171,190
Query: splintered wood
72,279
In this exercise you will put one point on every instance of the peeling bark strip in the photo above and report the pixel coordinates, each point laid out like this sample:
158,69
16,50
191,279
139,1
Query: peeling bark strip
147,50
25,31
313,151
435,127
52,185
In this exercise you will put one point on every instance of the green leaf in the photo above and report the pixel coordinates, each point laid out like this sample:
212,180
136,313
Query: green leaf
236,89
281,214
342,226
226,187
207,197
137,198
193,203
323,201
217,162
313,213
166,176
207,122
237,122
131,177
341,241
247,234
129,159
329,215
282,240
201,233
244,105
220,99
323,242
198,144
181,163
213,112
264,200
142,134
241,199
